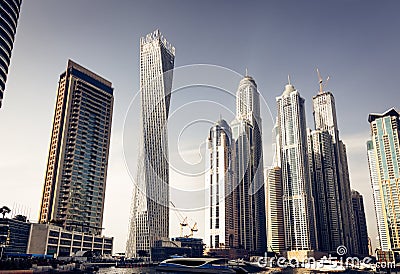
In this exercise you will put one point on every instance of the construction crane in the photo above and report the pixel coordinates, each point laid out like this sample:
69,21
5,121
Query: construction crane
183,222
321,83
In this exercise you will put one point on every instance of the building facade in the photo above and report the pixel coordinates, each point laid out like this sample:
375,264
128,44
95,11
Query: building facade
383,238
275,220
52,240
150,204
247,162
14,235
384,161
360,223
75,181
325,188
9,10
336,175
298,201
221,212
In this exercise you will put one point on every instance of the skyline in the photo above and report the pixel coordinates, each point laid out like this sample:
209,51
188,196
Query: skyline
31,74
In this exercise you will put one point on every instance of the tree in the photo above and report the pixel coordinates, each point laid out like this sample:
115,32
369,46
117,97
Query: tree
5,210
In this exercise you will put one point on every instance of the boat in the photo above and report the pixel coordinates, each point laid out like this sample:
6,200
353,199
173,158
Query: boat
325,265
198,265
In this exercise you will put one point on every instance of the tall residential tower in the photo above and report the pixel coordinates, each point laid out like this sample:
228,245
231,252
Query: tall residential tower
247,159
150,204
75,183
9,10
384,161
221,213
298,203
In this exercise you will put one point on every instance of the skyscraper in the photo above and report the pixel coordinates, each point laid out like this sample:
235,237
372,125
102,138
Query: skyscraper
9,10
360,223
150,209
336,174
384,242
384,161
221,214
75,182
298,203
247,159
275,220
325,187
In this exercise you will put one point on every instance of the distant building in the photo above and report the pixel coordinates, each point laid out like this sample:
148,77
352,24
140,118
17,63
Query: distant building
384,163
14,235
298,200
9,10
75,182
47,239
149,220
360,223
221,214
180,246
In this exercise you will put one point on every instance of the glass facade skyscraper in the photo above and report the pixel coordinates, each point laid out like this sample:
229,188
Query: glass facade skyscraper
75,181
9,10
384,163
150,204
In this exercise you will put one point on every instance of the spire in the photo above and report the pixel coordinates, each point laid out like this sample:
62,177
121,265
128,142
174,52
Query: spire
288,79
246,73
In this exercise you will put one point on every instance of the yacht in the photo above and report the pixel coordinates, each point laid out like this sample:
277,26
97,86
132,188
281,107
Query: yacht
198,265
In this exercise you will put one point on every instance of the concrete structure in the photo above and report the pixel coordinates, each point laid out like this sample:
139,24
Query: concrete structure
47,239
9,10
75,181
298,200
247,162
14,236
360,224
221,214
149,220
384,161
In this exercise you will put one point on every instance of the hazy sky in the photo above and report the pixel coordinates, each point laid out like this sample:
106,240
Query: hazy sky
355,42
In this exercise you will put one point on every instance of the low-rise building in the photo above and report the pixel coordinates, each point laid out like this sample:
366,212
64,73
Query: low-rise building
48,239
14,235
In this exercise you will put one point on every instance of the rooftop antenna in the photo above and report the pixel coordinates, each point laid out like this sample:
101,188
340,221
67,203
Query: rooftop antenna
246,73
288,79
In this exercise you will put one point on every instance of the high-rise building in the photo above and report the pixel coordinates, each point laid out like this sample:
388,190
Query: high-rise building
221,213
384,161
383,238
360,223
247,160
9,10
336,175
298,201
275,220
325,188
75,181
150,204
